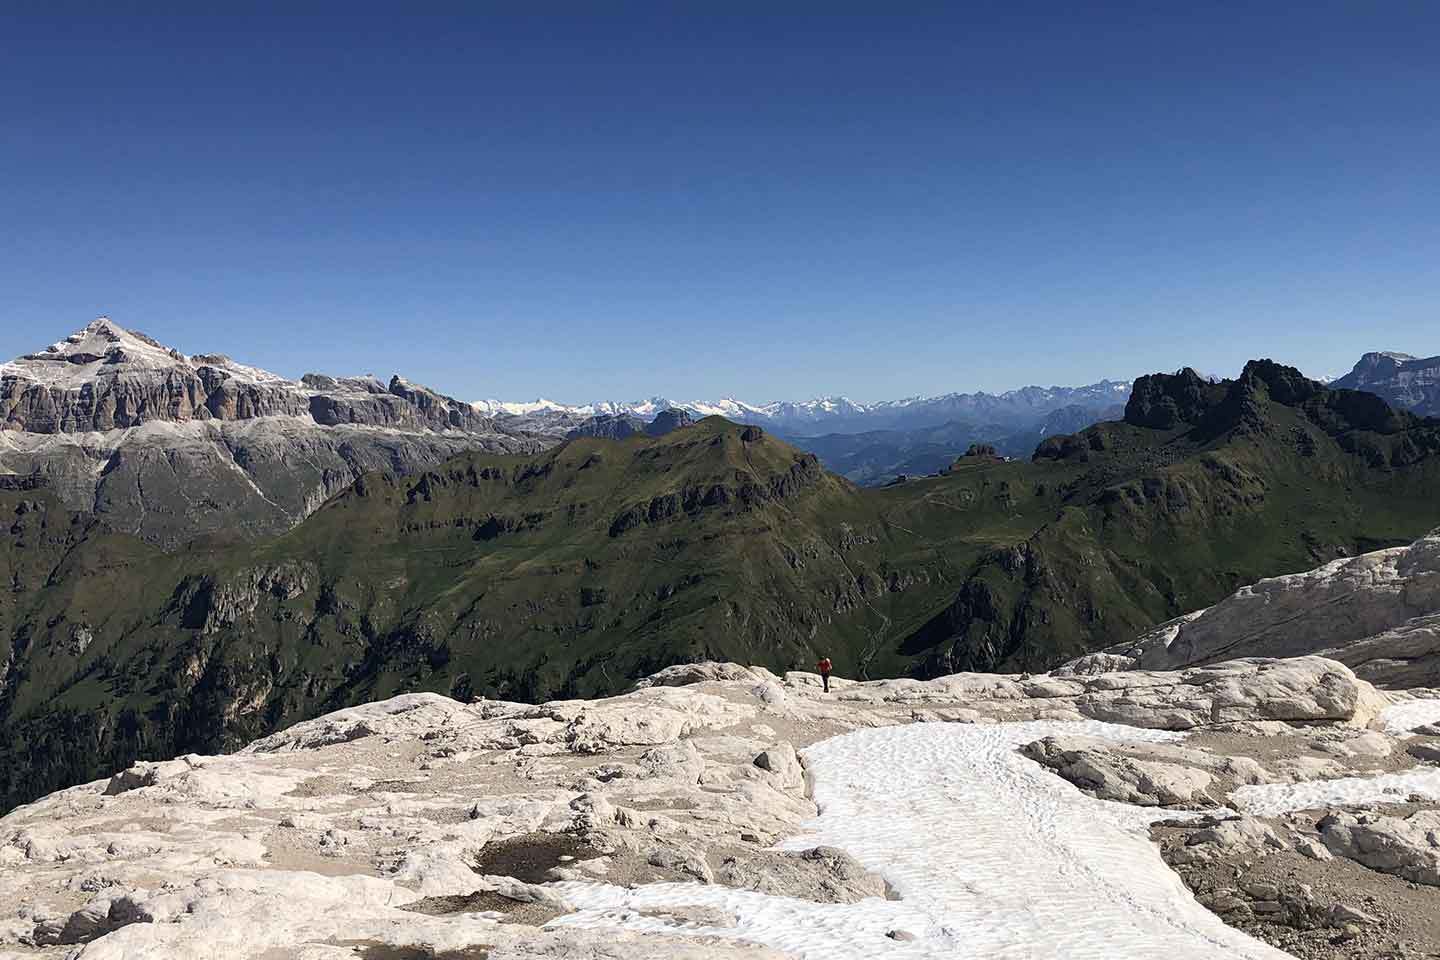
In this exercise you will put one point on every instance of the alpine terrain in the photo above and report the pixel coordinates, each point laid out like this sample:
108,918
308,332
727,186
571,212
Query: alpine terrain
1261,809
867,443
572,571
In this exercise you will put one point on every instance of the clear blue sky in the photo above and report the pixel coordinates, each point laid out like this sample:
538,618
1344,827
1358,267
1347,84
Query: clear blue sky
773,200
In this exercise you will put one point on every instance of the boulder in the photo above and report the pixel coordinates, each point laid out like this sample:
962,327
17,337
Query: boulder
684,674
782,761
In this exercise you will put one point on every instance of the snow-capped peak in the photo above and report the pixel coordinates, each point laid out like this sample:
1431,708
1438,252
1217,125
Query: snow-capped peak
102,338
100,348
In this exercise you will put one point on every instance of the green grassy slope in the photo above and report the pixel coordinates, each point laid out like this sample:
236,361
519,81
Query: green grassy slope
1265,475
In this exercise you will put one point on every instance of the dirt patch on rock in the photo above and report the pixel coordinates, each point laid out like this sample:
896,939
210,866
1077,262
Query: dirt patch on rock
530,857
370,950
486,901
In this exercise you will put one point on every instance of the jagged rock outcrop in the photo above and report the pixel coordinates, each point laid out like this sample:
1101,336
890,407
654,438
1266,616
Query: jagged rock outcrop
1147,775
173,447
1164,401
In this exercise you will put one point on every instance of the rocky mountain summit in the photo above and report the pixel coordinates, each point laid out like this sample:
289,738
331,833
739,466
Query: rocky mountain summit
1406,382
171,447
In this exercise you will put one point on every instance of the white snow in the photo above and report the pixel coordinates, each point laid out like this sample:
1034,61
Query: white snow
1273,799
55,366
992,856
1405,716
128,356
639,408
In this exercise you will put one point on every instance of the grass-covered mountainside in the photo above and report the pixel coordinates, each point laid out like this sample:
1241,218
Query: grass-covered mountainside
573,571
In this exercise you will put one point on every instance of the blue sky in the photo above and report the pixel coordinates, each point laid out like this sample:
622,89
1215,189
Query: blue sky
772,200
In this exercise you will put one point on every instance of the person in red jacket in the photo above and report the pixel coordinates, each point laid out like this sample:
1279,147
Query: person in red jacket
824,667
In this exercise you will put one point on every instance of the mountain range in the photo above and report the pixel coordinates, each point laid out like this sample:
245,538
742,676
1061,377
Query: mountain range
570,570
867,443
174,448
1008,410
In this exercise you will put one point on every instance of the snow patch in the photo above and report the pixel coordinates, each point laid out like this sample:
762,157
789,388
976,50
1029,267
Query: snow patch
1405,716
1271,800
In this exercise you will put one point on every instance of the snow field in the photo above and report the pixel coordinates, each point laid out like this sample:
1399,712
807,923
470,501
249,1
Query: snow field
993,857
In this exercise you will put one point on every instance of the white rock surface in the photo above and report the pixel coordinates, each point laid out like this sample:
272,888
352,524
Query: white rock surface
419,823
1379,613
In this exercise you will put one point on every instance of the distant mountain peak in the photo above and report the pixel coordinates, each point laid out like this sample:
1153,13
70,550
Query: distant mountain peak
1402,380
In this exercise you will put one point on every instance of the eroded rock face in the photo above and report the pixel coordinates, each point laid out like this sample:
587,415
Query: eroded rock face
1376,613
1406,382
172,447
380,824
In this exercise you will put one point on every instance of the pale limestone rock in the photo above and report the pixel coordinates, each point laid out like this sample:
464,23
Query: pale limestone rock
1239,833
321,833
782,761
1407,847
1376,613
1111,775
683,674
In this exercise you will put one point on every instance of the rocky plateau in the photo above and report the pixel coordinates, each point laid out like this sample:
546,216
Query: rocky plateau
722,811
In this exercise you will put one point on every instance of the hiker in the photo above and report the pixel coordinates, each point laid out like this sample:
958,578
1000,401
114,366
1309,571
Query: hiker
824,667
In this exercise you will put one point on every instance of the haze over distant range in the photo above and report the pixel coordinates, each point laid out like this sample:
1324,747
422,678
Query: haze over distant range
772,204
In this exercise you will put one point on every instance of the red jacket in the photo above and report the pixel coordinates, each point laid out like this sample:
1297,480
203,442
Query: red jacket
824,666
